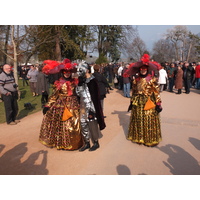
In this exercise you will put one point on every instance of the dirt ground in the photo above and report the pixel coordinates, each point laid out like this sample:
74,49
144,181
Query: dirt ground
177,153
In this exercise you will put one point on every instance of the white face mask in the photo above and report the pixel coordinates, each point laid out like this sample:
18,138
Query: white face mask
82,69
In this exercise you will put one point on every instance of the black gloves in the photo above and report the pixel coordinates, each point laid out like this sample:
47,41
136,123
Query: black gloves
81,80
130,106
91,115
158,108
45,109
45,93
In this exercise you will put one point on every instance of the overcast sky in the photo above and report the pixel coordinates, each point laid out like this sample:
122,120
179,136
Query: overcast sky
152,33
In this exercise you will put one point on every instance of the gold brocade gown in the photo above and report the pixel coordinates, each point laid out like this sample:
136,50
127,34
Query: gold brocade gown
144,127
57,133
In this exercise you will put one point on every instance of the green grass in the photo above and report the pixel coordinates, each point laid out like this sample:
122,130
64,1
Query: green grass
26,96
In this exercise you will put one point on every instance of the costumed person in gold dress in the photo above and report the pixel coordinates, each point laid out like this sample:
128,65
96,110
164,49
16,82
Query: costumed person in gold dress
145,105
61,123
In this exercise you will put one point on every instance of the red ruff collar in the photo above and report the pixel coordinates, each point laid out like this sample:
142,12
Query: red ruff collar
61,81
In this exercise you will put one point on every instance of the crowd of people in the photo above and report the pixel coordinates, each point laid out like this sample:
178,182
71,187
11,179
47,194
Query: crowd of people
171,77
179,75
74,112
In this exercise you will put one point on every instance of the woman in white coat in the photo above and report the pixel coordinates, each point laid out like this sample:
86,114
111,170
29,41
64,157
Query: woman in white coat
162,78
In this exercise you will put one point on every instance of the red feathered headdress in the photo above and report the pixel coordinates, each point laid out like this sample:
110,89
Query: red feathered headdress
53,67
145,60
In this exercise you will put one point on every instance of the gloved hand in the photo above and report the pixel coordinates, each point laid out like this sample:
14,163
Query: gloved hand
158,108
81,80
44,93
91,115
130,106
45,109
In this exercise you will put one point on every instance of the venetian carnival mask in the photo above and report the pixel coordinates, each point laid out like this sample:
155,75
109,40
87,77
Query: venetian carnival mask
82,69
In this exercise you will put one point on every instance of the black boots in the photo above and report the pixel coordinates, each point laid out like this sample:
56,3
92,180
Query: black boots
86,146
179,91
95,146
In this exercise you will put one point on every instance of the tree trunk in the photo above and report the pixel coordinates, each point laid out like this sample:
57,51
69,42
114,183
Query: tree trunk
176,50
189,51
15,55
6,44
57,39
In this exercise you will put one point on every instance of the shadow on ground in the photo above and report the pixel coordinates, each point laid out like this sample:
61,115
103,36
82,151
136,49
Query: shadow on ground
180,162
10,161
124,119
23,113
195,142
123,170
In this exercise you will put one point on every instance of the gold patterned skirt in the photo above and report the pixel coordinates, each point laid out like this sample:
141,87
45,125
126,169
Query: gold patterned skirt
144,127
62,134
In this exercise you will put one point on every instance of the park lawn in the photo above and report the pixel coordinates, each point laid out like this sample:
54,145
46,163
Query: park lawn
26,96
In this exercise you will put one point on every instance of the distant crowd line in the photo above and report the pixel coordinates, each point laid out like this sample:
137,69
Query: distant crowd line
177,75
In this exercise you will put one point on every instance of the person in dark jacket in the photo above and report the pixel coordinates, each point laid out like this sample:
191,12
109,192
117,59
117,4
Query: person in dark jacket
42,86
188,72
24,72
171,74
102,83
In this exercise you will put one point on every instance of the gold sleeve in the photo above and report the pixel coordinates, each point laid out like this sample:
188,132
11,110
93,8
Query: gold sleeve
156,90
134,87
52,99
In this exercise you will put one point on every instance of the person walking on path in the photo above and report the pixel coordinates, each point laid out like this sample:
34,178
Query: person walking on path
42,86
32,76
179,80
162,80
61,122
9,92
145,105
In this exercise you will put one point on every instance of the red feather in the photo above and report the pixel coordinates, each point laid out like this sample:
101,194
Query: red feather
68,66
53,67
66,60
49,65
145,58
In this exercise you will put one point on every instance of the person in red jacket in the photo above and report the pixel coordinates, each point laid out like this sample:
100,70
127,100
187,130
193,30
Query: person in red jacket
197,76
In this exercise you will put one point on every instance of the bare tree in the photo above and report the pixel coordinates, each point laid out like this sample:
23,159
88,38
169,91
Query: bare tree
177,35
136,49
112,40
190,47
178,44
163,51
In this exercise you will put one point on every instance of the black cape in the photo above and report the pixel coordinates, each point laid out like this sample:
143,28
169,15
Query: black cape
95,96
